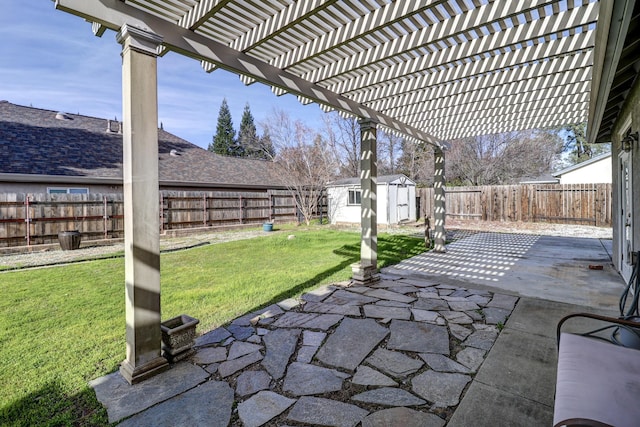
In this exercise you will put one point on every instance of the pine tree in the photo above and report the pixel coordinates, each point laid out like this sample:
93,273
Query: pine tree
248,141
224,139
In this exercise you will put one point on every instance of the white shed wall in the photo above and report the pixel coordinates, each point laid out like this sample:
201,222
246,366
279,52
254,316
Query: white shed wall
596,173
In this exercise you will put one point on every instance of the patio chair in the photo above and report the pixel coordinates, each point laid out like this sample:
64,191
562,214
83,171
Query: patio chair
598,378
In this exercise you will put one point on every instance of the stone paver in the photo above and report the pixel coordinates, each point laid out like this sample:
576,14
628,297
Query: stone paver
304,379
207,355
441,388
342,297
123,400
306,353
404,417
381,312
230,367
370,377
208,404
312,338
351,342
307,320
424,315
441,363
457,317
250,382
389,295
394,363
241,348
459,331
389,396
262,407
280,344
241,332
319,307
495,315
433,304
481,339
471,357
418,337
326,412
212,337
507,302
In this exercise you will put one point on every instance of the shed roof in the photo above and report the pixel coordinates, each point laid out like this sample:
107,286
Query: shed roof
601,157
431,70
34,142
384,179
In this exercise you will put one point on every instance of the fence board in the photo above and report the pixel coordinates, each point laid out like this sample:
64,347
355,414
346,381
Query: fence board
588,204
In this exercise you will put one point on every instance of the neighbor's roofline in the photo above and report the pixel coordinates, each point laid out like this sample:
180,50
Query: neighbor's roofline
582,164
77,179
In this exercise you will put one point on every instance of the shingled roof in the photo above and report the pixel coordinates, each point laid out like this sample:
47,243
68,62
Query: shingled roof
34,141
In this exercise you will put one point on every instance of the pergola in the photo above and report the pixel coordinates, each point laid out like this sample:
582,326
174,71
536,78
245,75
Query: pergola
429,70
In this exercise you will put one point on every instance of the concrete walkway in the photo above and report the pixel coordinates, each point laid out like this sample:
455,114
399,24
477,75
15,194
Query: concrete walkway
429,345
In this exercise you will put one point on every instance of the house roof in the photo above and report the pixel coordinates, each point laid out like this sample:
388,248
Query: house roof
582,164
384,179
42,142
432,70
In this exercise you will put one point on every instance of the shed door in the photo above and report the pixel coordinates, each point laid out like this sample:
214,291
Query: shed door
403,202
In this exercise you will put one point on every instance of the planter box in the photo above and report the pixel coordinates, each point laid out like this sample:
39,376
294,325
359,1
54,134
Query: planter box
69,240
178,335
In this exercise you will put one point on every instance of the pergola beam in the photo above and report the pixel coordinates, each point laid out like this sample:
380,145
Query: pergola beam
114,14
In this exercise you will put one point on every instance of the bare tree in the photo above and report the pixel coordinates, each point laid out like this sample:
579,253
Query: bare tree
416,162
388,151
343,136
303,160
502,158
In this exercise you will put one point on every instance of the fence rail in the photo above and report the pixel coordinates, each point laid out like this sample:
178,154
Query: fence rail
31,219
588,204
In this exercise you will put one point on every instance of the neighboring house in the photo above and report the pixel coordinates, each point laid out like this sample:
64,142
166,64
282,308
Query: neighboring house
593,171
396,195
45,151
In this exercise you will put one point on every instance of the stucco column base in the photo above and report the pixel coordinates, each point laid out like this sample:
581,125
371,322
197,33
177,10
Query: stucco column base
140,373
364,274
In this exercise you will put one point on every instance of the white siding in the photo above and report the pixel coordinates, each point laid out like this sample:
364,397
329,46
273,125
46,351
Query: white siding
596,173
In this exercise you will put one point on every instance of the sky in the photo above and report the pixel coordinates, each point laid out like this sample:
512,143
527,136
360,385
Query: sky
50,59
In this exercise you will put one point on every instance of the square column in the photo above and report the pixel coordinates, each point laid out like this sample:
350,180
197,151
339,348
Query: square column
141,204
366,271
439,234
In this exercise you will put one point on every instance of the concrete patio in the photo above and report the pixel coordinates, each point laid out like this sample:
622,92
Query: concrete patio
457,339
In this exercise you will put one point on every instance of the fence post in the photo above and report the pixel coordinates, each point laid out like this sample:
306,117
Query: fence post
241,211
105,216
204,209
27,220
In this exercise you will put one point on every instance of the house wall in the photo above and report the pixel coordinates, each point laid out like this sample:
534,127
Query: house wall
630,114
596,173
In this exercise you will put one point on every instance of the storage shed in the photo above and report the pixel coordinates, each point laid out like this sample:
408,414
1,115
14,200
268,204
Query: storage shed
396,200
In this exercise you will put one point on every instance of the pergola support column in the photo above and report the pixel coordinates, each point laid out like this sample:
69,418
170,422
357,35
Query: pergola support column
439,234
141,204
366,271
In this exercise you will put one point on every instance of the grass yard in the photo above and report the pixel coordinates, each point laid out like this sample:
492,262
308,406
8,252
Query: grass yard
63,326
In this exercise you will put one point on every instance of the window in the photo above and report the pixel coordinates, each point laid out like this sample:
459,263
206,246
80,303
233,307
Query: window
354,197
61,190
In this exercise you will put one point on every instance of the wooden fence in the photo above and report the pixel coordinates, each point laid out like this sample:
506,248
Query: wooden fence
588,204
31,219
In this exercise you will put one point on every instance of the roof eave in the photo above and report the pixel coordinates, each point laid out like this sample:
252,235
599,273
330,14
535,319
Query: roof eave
611,31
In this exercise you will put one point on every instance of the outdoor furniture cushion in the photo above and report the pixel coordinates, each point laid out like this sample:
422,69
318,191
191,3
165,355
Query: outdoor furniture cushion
598,383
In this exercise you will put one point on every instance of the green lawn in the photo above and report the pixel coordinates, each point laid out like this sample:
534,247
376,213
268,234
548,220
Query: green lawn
63,326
